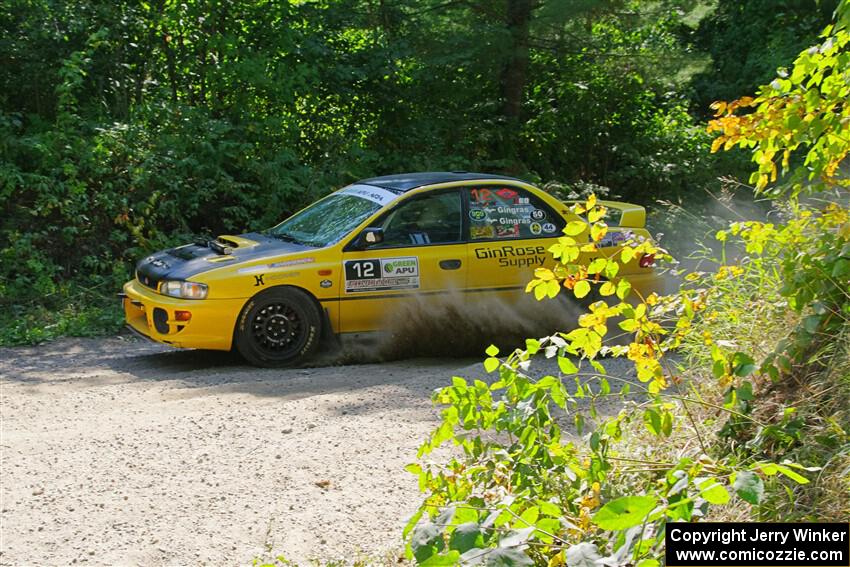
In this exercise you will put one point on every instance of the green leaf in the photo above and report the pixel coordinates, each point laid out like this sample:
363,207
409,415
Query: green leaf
491,364
465,537
597,265
450,558
503,557
583,554
566,365
743,364
841,268
713,491
624,513
623,288
426,541
748,486
652,420
581,289
413,468
492,350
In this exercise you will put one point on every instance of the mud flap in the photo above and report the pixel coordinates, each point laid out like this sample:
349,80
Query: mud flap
328,337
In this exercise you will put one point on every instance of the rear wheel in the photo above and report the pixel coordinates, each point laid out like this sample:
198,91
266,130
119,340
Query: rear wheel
278,327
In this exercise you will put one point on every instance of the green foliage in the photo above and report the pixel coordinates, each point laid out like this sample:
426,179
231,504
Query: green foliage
772,303
802,114
524,483
748,41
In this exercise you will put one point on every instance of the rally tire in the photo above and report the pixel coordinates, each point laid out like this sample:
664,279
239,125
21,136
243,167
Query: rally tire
278,327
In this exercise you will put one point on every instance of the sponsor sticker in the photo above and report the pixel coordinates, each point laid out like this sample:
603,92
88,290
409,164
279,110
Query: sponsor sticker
382,274
295,262
326,283
549,228
507,231
374,194
477,214
538,214
535,228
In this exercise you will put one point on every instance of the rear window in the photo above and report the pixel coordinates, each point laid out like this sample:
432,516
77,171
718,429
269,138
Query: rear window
506,213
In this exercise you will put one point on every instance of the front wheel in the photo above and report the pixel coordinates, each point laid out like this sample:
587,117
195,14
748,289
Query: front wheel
278,327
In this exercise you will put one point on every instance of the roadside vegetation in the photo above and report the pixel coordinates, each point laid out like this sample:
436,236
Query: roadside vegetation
741,410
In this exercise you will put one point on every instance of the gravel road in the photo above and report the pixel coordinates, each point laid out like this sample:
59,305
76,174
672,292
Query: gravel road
117,451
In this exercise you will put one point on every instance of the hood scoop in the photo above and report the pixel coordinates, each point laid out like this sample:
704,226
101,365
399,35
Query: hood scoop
225,245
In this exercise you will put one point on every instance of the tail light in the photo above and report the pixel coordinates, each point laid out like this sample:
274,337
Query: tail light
647,261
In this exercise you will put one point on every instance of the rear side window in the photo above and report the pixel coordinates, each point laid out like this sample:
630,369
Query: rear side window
506,213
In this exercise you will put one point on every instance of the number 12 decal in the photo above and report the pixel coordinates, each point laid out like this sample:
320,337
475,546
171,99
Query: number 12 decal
385,274
362,269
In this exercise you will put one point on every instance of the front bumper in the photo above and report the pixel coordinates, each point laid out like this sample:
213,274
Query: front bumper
153,315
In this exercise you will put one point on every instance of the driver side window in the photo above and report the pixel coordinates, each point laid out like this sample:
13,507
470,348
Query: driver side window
430,219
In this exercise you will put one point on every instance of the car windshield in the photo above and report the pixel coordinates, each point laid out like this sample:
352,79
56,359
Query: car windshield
327,221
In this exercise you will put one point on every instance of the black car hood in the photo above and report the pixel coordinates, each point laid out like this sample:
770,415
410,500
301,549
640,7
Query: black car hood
184,262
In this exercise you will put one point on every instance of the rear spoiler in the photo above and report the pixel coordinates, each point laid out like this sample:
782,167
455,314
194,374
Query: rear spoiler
631,216
621,214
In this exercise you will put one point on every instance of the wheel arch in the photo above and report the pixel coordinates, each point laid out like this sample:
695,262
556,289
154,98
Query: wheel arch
323,316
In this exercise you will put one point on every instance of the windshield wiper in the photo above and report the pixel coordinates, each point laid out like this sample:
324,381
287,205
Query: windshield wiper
288,237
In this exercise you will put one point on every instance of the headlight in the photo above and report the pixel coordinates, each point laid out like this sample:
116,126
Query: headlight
186,290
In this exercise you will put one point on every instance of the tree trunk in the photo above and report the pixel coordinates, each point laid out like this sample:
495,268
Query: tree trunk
515,72
514,78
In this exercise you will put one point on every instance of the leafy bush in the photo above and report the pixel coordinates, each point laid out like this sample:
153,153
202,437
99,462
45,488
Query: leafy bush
519,494
522,494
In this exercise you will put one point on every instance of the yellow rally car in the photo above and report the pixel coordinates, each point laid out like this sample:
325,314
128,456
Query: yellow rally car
345,262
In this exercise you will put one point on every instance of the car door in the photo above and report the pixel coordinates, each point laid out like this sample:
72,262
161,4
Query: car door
510,232
421,262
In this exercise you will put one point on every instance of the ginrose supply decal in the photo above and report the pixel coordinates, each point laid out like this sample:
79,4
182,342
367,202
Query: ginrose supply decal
757,544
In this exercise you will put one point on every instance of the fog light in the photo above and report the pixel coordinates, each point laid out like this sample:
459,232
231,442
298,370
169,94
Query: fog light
182,315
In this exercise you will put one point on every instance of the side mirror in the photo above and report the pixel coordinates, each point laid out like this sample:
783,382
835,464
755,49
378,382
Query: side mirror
370,237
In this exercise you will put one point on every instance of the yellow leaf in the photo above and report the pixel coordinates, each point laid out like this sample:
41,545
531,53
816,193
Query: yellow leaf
575,228
544,274
596,214
715,145
597,231
540,292
608,288
581,289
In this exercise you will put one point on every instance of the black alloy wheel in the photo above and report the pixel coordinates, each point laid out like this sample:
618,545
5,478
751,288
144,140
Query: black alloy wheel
278,327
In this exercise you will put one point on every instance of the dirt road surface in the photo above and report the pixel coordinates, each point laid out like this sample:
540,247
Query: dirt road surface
116,451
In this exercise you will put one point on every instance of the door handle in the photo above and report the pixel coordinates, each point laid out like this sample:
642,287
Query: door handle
450,264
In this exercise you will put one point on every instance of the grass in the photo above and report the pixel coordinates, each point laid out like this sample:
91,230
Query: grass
72,312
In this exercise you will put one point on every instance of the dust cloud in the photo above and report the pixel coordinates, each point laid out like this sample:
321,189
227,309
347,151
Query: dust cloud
456,325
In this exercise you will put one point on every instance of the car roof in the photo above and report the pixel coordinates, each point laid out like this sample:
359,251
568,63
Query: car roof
407,181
